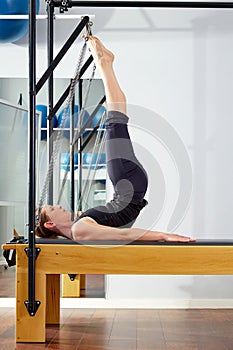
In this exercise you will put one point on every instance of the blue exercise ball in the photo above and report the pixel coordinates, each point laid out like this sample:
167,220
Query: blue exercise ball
91,159
13,29
44,114
102,182
66,123
97,117
65,161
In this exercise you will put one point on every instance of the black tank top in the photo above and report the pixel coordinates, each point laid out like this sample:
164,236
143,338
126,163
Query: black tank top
115,213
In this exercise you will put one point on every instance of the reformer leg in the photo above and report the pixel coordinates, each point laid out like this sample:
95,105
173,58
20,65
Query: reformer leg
71,288
29,328
52,299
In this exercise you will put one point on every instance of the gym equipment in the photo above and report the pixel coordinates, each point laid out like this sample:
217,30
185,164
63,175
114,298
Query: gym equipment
12,30
96,152
98,116
62,120
99,120
66,125
204,257
43,110
65,161
94,160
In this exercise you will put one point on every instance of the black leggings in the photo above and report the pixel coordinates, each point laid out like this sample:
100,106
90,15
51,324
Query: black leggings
127,175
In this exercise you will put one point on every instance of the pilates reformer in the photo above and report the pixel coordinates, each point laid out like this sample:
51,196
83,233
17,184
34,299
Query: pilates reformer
61,256
39,263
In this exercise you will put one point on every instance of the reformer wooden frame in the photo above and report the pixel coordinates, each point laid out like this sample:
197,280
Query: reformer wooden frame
200,258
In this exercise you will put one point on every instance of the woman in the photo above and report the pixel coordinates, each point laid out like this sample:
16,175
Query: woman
114,220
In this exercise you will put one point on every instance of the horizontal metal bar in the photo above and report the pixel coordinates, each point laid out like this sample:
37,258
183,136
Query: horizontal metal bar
66,92
161,4
61,53
42,17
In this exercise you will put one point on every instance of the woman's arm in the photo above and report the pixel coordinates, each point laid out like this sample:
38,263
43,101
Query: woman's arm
87,229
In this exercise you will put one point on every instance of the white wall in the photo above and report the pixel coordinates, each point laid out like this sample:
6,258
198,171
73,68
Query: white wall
185,77
176,70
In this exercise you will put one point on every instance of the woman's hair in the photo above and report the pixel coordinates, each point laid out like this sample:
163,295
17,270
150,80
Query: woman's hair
40,230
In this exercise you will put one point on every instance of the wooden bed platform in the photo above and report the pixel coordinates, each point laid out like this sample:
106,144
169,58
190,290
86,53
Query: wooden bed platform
56,257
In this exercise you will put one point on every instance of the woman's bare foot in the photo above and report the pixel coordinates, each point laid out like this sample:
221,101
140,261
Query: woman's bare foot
101,55
115,98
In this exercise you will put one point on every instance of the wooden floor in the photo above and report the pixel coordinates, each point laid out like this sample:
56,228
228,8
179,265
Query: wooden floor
111,329
98,329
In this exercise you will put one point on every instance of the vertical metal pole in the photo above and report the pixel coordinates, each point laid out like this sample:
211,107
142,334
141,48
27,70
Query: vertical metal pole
31,304
80,90
72,160
20,102
50,44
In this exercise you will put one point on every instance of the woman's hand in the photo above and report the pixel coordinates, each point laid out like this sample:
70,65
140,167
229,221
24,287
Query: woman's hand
170,237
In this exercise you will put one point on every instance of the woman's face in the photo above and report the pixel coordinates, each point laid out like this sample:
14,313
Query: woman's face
57,214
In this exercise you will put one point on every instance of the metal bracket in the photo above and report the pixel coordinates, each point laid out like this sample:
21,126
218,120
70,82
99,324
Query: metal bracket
65,5
29,252
72,277
49,2
32,307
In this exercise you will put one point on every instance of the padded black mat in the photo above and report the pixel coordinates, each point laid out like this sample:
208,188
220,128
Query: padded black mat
199,242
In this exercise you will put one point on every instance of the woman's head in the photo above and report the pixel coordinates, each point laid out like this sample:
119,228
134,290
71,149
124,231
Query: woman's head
41,230
53,220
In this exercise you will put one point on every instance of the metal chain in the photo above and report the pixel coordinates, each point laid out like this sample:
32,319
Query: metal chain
79,131
64,117
77,134
100,140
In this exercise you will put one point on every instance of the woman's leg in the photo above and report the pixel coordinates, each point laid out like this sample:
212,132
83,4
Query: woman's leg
126,173
115,98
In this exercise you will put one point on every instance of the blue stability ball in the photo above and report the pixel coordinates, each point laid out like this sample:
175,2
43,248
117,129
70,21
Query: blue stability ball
13,29
66,123
90,159
97,117
43,110
65,160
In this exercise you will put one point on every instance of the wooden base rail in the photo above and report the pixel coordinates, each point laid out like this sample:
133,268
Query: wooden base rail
57,259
